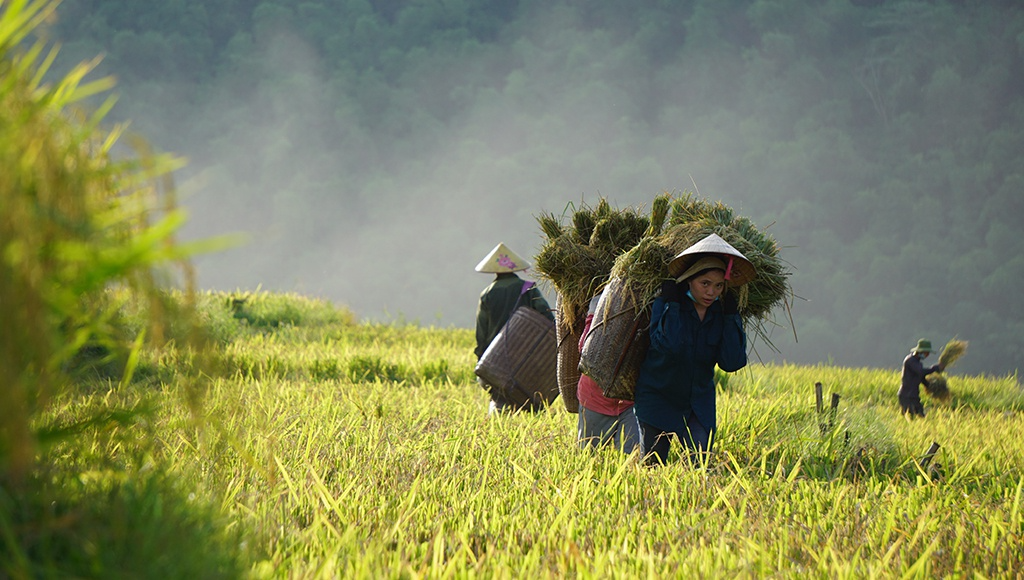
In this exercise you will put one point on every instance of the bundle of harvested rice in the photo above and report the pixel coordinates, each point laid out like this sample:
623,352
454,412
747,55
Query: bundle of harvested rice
577,271
693,219
937,386
578,258
953,350
614,351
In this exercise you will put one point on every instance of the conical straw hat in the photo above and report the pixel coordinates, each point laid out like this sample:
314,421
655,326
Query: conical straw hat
738,269
501,259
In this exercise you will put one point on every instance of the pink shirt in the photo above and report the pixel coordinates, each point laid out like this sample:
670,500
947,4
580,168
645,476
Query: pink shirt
588,392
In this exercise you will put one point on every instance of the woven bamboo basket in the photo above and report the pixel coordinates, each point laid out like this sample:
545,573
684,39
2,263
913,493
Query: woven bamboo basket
520,363
567,335
617,342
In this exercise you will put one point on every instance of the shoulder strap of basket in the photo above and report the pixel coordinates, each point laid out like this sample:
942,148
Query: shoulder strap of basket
526,287
522,292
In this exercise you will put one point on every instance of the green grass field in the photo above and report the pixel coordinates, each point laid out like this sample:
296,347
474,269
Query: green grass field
260,435
329,448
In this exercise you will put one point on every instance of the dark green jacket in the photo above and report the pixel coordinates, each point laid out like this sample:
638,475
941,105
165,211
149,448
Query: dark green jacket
496,304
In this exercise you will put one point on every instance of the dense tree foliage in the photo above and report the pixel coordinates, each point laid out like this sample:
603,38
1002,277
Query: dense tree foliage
883,138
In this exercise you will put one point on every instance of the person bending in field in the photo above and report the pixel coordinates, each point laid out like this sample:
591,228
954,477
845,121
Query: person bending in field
695,325
914,373
603,420
497,302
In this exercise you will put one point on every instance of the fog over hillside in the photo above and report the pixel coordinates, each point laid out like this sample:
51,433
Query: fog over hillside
405,245
855,133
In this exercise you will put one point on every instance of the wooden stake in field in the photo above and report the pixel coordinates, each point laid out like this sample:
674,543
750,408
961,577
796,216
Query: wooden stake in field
932,470
825,424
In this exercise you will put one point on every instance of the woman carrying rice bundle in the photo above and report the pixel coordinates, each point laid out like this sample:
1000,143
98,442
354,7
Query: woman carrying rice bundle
695,325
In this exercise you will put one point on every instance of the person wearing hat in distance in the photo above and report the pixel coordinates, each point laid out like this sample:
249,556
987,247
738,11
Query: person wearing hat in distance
603,420
497,301
914,373
695,325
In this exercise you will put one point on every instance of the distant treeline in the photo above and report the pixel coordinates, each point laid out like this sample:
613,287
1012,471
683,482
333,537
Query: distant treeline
885,139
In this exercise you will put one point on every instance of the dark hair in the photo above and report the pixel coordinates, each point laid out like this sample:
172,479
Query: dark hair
702,272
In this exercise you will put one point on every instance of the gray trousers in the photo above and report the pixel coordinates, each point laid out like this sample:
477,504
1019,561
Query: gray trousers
597,429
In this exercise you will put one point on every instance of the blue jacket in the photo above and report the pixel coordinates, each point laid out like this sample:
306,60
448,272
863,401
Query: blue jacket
678,373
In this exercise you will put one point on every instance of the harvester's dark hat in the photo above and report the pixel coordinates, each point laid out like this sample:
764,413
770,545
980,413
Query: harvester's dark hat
923,345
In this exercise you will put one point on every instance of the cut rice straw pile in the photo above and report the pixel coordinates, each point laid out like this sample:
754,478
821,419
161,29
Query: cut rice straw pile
646,265
602,242
577,258
953,350
936,384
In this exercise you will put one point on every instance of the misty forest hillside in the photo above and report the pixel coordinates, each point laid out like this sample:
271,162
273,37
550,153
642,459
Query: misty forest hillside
376,150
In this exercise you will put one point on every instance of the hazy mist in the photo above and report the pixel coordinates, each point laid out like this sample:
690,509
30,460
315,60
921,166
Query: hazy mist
404,246
390,223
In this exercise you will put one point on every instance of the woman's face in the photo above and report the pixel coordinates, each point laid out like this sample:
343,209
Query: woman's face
707,287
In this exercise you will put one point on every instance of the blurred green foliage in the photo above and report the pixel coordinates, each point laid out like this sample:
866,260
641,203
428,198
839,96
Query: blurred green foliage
81,231
99,523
